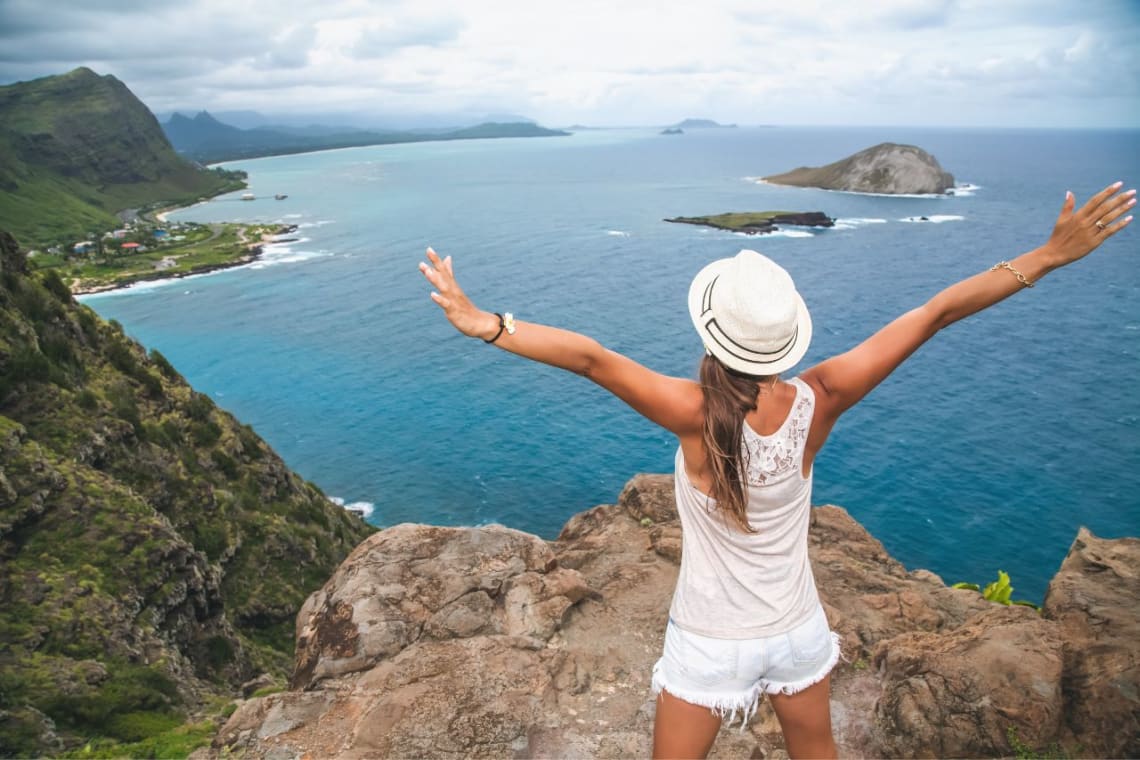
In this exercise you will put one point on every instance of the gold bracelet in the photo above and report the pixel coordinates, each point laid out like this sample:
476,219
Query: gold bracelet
1020,277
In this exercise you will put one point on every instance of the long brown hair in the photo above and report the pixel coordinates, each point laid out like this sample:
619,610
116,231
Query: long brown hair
729,396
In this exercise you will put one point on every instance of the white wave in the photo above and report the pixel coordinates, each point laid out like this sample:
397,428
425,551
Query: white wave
293,216
144,286
364,507
320,223
273,254
855,222
778,233
933,218
965,189
617,233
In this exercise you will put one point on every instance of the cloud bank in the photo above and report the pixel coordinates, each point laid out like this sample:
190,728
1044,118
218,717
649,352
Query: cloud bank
920,62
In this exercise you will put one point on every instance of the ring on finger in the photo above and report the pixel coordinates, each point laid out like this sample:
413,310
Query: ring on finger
1100,225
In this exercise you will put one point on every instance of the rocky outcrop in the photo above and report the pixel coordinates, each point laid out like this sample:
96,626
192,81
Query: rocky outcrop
486,642
885,168
1093,601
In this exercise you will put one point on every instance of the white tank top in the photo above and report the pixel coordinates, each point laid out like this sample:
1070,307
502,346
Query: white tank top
737,585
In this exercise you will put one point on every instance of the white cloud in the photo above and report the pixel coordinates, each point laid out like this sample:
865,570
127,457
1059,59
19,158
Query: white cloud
595,61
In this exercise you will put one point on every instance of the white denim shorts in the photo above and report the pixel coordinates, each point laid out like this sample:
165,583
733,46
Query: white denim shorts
727,675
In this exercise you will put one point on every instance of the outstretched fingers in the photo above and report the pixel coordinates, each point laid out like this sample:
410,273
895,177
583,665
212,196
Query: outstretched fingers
1090,209
1111,210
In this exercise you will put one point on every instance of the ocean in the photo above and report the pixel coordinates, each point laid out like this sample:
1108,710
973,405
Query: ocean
987,450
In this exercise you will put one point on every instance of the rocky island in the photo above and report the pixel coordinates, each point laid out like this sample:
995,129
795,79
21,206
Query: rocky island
887,168
758,222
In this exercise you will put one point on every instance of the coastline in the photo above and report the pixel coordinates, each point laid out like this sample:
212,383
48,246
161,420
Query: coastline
251,255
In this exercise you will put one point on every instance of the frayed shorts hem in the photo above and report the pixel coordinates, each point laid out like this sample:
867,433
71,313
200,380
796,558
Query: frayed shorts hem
726,704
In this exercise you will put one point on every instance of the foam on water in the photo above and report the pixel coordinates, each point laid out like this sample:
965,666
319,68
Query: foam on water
854,223
274,254
932,219
777,233
617,233
964,190
366,508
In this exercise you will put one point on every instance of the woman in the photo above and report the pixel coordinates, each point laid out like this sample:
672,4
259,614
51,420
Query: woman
746,618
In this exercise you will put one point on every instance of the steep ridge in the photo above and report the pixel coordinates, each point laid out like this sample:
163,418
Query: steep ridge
153,550
76,148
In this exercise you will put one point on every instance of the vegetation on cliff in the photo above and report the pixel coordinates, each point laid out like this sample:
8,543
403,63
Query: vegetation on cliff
79,147
153,551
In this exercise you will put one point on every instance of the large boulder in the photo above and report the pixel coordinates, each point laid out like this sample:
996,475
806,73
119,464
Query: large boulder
885,168
972,691
414,582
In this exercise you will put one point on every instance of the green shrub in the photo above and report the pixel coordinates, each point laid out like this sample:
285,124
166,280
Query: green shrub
128,689
999,592
87,398
136,726
225,463
219,652
55,285
164,365
205,433
199,407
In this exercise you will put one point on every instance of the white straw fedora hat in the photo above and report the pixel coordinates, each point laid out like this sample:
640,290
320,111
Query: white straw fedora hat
749,314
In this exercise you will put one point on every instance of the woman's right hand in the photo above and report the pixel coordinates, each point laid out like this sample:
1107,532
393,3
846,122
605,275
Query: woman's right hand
1078,233
457,307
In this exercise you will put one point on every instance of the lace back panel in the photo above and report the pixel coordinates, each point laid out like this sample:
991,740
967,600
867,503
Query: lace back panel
770,457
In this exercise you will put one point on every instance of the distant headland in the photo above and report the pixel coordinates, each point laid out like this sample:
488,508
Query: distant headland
701,124
887,168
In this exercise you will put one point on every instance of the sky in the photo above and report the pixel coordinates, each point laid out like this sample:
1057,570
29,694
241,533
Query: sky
1035,63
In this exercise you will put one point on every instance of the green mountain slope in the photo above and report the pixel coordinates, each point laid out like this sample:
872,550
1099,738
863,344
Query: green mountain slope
76,148
153,551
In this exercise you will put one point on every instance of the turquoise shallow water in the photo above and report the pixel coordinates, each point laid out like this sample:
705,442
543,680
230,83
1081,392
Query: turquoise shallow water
986,450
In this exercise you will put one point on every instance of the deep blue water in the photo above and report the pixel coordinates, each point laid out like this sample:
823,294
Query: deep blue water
986,450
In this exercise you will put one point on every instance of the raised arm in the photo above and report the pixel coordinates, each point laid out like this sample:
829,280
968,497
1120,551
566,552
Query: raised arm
841,381
672,403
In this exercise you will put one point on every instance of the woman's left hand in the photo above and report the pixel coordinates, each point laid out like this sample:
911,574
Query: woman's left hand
457,307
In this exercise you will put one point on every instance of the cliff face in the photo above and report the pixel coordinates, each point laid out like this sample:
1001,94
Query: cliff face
78,147
884,168
153,551
489,642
